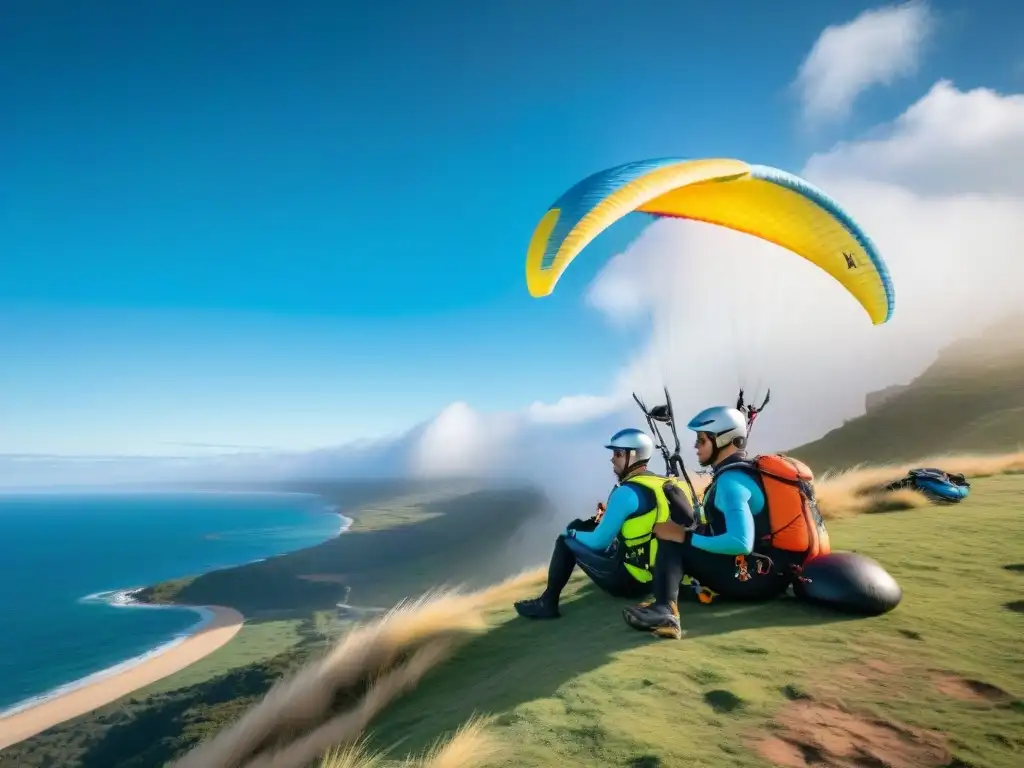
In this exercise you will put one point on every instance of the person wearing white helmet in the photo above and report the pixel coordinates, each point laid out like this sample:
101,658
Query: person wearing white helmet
631,450
612,546
709,554
721,434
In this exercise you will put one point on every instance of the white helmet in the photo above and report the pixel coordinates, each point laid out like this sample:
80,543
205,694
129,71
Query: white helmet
723,423
634,440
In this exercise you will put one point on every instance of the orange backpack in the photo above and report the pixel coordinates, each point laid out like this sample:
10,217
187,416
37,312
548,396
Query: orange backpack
794,522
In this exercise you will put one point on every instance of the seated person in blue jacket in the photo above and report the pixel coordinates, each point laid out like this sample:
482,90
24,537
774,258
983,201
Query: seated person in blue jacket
715,555
595,545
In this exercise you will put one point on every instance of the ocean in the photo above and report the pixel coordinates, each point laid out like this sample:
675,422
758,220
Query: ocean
66,561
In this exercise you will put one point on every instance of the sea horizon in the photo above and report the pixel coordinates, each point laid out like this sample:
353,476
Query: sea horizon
214,517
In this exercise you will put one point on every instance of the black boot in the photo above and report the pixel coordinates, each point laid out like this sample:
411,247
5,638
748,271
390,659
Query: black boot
661,617
538,608
559,570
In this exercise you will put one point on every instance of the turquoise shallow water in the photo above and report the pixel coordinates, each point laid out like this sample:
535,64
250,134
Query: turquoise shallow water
57,552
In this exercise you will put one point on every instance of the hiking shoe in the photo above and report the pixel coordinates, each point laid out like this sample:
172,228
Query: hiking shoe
537,608
659,620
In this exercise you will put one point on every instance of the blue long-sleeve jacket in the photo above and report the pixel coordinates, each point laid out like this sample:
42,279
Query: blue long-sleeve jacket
739,498
622,502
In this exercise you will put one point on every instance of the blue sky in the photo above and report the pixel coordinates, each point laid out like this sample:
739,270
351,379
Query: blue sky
291,225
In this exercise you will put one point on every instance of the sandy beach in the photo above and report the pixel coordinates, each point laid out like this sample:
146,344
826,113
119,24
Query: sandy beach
223,626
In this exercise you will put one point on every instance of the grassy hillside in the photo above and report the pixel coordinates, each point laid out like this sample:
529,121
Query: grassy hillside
970,400
937,683
586,690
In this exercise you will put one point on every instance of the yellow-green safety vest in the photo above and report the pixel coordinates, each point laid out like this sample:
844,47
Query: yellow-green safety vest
636,538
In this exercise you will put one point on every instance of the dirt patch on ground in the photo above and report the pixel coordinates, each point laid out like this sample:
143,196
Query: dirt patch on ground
817,729
966,689
331,578
815,733
779,751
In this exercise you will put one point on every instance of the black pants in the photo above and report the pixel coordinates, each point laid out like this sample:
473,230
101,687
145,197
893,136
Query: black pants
606,571
719,573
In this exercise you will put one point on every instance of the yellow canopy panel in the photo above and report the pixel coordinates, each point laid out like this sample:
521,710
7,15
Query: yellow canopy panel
760,201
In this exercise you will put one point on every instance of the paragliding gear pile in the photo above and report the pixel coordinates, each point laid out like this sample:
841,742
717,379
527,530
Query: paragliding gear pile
674,466
938,486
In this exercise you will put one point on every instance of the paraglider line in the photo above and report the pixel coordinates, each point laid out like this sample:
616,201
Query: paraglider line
674,464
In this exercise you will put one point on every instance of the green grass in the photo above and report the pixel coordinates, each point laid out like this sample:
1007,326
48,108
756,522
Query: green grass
970,400
586,690
449,534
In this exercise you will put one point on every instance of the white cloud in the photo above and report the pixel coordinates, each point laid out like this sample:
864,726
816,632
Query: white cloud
950,142
573,409
875,48
460,441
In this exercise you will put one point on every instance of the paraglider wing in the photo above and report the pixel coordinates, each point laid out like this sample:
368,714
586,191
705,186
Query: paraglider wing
764,202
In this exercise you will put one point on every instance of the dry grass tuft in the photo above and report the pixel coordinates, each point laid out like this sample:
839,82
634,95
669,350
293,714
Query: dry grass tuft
295,722
348,727
472,746
352,756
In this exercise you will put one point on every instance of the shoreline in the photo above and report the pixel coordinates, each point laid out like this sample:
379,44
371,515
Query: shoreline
217,625
126,598
117,598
